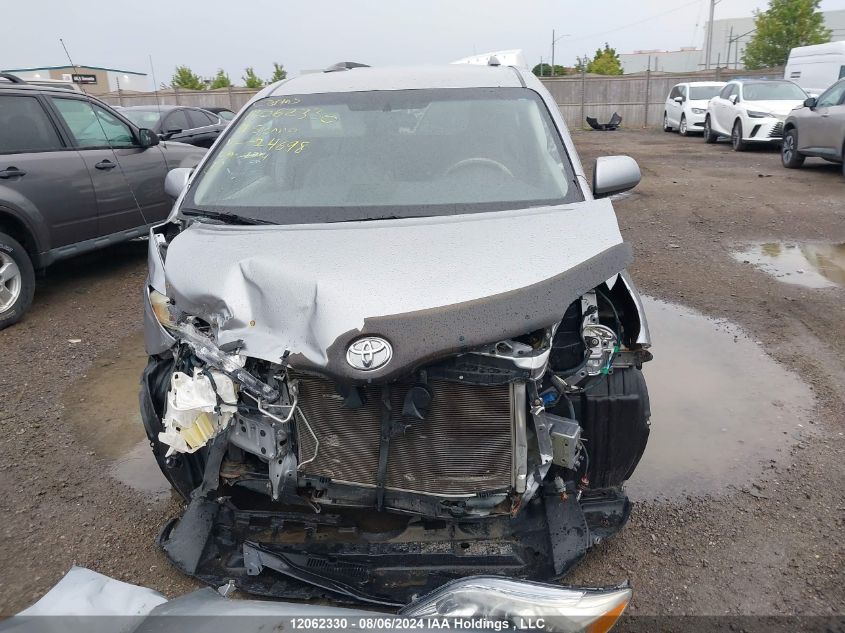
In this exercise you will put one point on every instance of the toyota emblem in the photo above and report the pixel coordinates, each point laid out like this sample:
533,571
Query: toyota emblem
369,353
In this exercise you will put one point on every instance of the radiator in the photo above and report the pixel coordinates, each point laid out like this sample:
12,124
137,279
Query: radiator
463,447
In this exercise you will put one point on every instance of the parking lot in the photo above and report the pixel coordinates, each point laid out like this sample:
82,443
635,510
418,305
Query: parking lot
758,506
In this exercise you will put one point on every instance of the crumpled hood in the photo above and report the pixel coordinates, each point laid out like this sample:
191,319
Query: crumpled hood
430,286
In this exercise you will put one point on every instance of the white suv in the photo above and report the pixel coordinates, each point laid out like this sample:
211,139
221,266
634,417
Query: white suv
686,106
751,111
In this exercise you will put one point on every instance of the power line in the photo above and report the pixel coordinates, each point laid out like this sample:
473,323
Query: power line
630,24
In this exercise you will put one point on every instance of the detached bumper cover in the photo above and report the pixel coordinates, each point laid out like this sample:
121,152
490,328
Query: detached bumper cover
355,557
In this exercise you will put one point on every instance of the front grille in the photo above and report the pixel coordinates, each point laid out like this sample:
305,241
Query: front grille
777,130
463,447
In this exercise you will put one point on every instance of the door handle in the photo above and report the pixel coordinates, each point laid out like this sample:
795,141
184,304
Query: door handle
11,172
105,164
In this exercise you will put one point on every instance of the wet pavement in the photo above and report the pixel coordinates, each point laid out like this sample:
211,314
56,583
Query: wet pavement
102,406
808,264
721,410
721,407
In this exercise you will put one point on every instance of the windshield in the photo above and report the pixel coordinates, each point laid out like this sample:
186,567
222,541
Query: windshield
365,155
142,118
772,91
699,93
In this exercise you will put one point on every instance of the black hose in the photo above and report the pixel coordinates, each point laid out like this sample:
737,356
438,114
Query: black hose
615,313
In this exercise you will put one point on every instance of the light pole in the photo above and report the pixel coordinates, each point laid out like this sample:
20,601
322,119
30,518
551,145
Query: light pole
709,53
554,41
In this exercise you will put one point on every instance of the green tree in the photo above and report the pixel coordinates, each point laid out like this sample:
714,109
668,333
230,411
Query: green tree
221,80
251,80
185,79
581,64
545,70
279,73
780,28
605,62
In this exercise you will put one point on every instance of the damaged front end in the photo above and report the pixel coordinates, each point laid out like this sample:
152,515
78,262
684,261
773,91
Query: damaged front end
372,432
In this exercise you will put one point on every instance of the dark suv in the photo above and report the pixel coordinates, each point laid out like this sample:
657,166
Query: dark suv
74,176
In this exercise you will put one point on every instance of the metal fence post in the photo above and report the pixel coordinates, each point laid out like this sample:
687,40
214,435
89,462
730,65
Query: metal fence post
176,94
231,99
583,94
647,96
119,95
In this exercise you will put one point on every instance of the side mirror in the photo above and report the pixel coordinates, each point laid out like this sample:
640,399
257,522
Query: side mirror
810,102
176,181
147,138
733,98
614,174
679,99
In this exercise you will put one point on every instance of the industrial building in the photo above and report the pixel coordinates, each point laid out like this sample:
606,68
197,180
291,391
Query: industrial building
96,80
730,37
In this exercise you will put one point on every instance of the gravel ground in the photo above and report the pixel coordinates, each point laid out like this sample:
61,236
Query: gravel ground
771,547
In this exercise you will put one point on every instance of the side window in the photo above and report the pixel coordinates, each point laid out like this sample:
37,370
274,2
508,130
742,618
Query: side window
675,93
25,126
93,126
683,91
842,72
176,120
727,91
833,96
198,119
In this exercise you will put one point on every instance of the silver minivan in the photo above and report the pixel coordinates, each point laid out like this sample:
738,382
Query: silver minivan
392,340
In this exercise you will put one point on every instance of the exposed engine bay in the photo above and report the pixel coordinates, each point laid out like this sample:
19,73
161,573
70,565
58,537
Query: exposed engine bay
376,472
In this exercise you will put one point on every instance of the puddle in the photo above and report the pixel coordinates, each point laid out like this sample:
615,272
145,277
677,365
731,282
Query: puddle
812,265
721,408
103,407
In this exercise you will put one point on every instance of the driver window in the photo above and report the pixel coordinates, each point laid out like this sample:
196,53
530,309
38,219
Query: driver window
833,96
93,126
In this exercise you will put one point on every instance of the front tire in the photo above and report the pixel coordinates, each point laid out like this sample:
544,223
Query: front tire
789,154
709,137
843,161
682,130
17,281
736,137
666,126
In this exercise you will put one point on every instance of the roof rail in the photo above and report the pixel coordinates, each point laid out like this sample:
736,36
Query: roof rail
344,66
13,78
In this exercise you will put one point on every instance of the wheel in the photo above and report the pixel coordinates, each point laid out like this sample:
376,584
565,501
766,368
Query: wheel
17,281
843,160
709,137
789,154
682,130
736,138
666,126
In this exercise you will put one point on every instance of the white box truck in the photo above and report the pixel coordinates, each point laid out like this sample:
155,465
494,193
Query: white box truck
815,68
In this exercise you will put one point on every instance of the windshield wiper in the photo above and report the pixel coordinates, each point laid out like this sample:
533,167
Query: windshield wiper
225,217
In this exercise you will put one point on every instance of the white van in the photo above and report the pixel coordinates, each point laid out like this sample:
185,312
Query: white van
816,68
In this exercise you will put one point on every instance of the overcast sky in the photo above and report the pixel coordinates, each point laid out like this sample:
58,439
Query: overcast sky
211,34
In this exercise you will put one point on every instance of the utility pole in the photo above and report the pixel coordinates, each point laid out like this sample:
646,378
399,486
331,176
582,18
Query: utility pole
710,35
730,43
